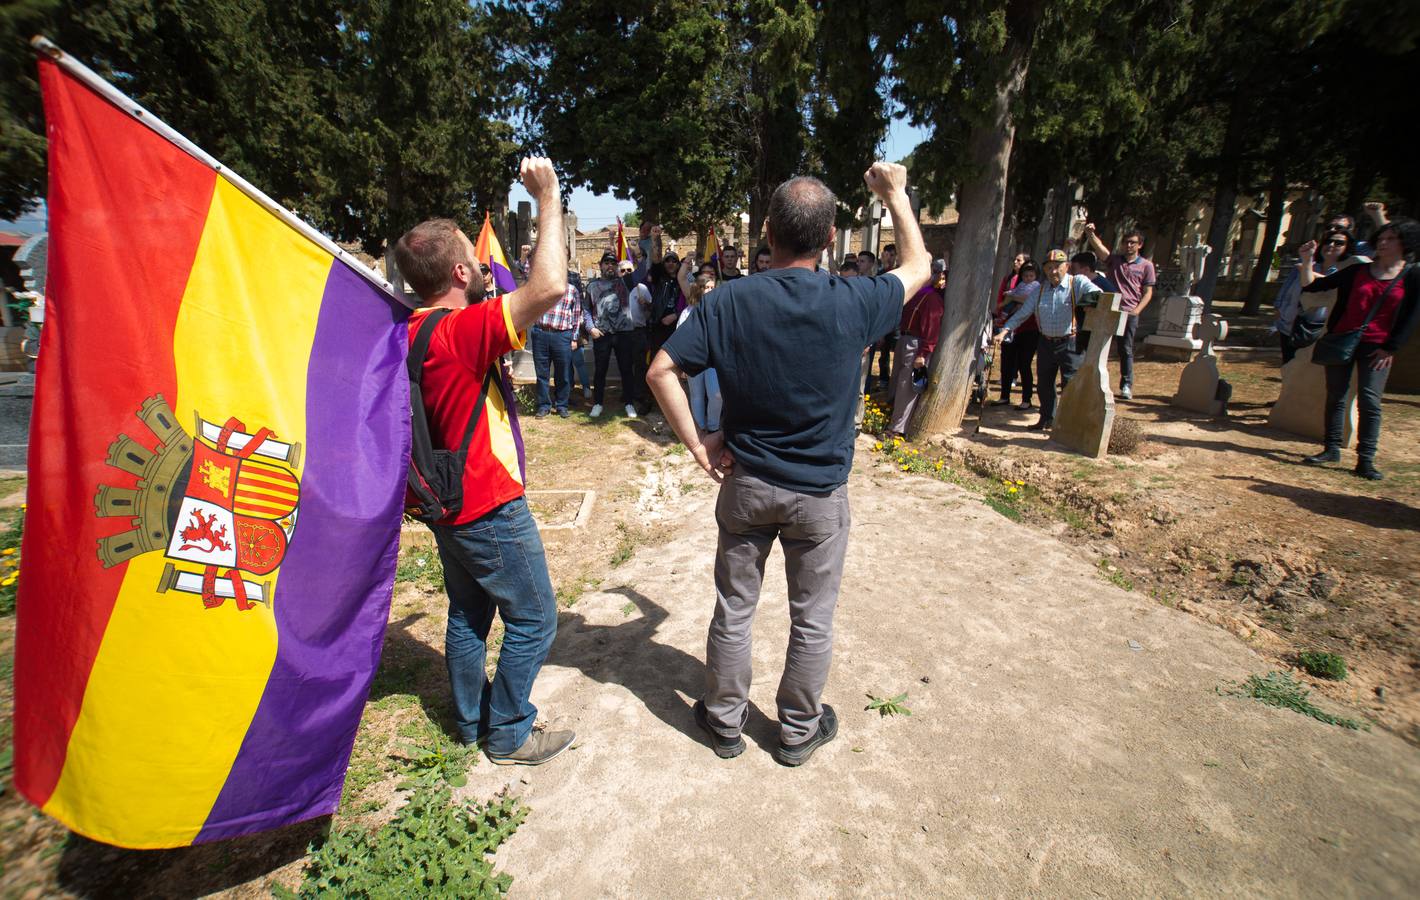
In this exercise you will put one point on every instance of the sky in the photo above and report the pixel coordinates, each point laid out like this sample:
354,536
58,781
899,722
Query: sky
596,211
593,211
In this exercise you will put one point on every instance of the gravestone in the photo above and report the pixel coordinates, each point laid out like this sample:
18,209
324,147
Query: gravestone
1200,388
1085,416
1176,337
1301,406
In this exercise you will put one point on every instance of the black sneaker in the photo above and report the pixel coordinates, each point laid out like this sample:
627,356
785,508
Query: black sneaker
540,747
1368,471
542,412
799,754
1325,456
1040,425
725,748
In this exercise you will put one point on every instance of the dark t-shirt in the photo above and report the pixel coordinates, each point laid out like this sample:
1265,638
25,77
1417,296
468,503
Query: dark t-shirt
786,346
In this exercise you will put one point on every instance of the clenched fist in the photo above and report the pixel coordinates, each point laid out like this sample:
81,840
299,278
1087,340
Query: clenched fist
540,179
884,178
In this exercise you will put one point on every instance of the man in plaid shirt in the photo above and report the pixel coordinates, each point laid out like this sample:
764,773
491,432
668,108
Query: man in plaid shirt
551,342
1052,302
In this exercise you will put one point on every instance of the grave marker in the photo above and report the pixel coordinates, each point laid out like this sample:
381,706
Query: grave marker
1085,416
1201,388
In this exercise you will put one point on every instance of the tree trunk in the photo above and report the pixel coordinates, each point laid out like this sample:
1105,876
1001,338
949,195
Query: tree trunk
757,210
1276,203
969,289
1225,199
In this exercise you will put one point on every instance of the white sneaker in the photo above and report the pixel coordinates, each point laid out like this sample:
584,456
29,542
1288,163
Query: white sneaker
1126,392
596,411
630,411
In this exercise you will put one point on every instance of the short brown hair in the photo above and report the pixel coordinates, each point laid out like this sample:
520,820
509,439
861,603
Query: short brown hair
426,255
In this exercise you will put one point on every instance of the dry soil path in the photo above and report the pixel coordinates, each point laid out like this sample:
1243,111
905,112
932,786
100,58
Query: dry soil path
1045,754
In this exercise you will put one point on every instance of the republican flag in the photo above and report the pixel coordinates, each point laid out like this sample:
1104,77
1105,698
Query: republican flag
489,252
712,250
216,477
621,251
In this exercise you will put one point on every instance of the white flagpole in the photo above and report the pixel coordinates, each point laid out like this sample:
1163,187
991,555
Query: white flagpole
113,95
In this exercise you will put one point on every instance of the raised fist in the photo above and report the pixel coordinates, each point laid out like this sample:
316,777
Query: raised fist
540,179
884,178
1307,250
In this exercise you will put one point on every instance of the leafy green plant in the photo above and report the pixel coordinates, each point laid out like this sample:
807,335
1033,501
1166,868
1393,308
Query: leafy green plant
434,847
1319,664
421,566
1115,575
1280,689
888,706
526,395
875,416
625,544
445,762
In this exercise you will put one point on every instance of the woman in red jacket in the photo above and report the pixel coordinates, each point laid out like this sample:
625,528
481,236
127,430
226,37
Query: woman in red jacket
921,320
1381,301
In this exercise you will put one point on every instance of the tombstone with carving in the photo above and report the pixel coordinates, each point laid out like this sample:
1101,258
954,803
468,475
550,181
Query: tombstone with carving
1201,388
1084,419
1301,406
1182,312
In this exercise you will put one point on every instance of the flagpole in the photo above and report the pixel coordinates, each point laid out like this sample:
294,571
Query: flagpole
127,104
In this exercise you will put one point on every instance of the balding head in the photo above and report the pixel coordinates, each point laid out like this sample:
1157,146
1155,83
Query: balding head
800,219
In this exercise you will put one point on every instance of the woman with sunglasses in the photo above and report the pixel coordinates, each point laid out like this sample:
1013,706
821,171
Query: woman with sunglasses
1297,328
1381,301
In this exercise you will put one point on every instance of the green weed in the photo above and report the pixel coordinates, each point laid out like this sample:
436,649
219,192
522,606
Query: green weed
434,847
1114,575
1280,689
420,566
888,706
1323,665
625,544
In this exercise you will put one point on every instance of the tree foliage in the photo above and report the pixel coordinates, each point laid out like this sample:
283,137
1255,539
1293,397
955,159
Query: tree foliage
364,116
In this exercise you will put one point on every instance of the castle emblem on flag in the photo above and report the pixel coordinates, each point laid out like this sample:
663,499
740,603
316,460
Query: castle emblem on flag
220,504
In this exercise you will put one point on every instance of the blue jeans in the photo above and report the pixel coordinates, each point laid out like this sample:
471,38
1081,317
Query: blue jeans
579,365
552,357
496,563
705,400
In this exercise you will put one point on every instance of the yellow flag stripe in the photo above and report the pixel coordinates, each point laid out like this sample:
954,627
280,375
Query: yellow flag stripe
174,686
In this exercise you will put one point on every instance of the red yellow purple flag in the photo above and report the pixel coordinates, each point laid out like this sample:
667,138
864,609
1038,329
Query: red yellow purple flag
489,251
621,252
216,479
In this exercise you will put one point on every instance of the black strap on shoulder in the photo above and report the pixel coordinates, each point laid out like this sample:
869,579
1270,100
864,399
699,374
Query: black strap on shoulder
419,351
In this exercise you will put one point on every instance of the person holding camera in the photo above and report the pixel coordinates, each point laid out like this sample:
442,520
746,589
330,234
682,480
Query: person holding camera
1377,309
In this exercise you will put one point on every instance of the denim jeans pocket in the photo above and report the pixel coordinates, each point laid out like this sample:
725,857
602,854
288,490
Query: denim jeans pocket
476,549
820,517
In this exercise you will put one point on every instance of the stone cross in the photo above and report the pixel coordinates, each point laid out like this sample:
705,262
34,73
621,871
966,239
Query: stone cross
1200,388
1085,416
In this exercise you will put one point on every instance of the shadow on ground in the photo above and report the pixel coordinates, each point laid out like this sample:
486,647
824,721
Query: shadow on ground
1377,512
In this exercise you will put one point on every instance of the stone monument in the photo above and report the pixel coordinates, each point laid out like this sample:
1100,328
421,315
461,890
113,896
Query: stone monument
1301,406
1201,389
1085,416
1182,312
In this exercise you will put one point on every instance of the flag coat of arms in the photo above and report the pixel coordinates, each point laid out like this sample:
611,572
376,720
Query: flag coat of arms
216,477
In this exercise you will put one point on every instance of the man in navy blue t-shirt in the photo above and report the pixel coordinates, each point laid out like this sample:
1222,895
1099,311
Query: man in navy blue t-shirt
786,345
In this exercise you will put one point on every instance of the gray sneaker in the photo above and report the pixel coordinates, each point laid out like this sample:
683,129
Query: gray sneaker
540,747
1126,392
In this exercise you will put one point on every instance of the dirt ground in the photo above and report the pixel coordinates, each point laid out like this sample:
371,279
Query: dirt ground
1067,674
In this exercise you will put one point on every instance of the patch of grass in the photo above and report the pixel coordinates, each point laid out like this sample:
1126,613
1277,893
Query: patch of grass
1073,518
628,608
1165,597
573,590
888,706
420,566
1280,689
1114,575
676,449
626,541
10,485
1319,664
1005,508
434,847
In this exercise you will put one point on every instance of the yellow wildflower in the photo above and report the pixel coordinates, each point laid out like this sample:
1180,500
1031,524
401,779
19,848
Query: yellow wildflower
1012,490
8,581
8,551
878,445
1021,483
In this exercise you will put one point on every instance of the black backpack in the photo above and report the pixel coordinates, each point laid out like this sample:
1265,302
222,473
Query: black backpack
435,474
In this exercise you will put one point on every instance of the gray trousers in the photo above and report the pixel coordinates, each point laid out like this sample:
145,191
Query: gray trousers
813,530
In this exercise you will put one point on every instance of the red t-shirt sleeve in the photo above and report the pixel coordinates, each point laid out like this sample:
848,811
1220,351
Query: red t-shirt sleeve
479,334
